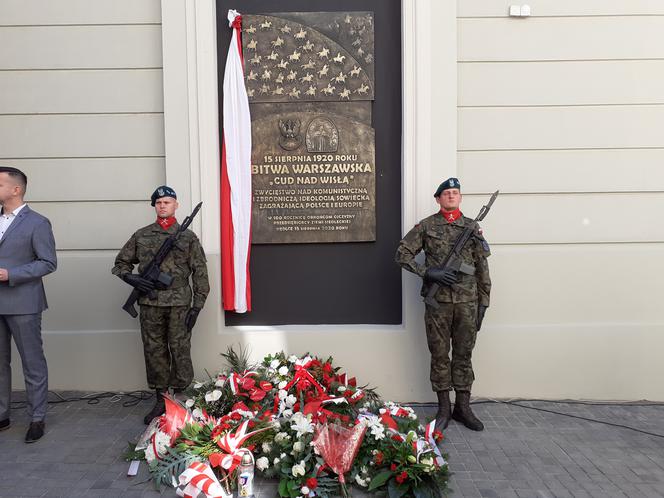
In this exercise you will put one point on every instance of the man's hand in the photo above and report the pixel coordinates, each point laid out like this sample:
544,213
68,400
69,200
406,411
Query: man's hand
4,275
481,309
191,317
441,277
138,282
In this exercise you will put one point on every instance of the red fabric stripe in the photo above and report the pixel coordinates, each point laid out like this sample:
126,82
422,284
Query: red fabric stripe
227,274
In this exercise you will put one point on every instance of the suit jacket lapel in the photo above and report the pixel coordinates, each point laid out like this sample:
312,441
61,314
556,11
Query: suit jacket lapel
17,221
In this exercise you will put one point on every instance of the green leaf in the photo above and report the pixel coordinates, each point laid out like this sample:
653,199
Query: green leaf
395,491
283,488
379,480
423,491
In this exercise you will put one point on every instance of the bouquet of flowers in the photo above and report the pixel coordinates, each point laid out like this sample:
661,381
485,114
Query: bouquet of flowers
308,425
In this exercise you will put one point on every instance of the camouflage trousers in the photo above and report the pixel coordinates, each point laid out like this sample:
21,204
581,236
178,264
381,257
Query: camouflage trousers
452,325
166,346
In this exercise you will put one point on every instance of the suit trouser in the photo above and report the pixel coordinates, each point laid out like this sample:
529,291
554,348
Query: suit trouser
26,331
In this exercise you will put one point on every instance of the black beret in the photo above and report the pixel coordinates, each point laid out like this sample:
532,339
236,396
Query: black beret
449,183
162,191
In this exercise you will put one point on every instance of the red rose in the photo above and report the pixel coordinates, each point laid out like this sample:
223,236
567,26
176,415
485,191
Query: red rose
393,467
312,483
438,436
402,477
378,458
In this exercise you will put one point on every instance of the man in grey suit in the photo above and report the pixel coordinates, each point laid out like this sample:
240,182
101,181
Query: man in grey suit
27,253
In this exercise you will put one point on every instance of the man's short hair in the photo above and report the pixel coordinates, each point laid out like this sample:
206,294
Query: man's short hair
18,176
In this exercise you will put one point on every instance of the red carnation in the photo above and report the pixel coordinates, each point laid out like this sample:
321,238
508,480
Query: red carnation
312,483
402,477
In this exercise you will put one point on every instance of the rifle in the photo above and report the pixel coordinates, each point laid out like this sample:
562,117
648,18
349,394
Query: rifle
453,259
152,272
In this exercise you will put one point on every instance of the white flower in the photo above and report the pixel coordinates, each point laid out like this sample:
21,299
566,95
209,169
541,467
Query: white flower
282,384
426,461
212,396
341,389
262,463
275,461
266,447
282,394
304,490
220,382
274,363
149,454
298,469
292,358
301,424
197,413
162,442
298,446
283,370
189,403
281,436
290,400
362,482
198,385
287,413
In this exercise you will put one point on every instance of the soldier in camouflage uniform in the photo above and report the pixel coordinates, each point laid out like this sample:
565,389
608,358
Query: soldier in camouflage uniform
463,299
167,320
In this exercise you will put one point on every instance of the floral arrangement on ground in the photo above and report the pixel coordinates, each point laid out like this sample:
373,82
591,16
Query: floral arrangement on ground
306,424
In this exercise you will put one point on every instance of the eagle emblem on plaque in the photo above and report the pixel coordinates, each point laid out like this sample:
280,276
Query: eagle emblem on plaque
290,134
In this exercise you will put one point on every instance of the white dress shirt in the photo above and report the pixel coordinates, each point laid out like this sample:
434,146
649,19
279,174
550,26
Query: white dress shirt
7,218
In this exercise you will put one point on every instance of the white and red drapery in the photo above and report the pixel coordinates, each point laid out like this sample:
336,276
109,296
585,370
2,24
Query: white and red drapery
235,178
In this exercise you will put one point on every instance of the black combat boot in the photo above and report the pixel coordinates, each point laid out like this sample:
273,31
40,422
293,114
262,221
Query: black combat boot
444,411
462,412
158,409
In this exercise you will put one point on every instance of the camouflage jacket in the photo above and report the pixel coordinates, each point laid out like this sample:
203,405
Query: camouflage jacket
435,236
185,259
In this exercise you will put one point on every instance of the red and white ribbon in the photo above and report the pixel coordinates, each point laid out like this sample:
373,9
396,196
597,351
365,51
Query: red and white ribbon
198,478
428,434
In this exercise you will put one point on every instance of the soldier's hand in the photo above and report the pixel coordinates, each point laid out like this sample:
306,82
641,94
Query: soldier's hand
442,277
191,317
481,309
138,282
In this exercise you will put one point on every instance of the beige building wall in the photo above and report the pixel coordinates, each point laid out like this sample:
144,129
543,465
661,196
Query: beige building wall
559,111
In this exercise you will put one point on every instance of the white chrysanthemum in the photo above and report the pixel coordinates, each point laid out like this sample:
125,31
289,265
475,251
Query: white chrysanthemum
262,463
283,370
149,454
426,461
298,447
301,424
290,400
189,403
266,447
162,442
212,396
282,384
298,469
304,490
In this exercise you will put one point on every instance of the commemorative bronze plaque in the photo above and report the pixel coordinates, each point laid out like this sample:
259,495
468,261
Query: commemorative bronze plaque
310,82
